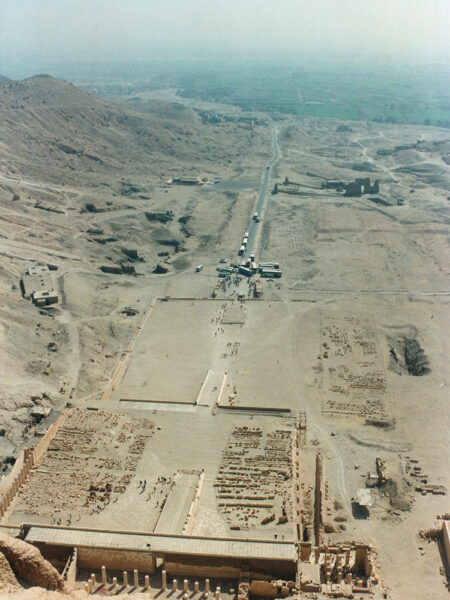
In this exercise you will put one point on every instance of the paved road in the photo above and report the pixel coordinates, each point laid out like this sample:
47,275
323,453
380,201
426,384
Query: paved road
254,227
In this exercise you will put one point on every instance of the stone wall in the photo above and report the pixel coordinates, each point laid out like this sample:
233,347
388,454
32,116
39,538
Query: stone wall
95,558
28,458
227,567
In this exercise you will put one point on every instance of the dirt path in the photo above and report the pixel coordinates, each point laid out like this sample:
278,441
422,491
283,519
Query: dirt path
74,366
43,186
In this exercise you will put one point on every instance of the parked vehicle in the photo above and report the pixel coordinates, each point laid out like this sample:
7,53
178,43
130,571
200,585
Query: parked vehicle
271,273
245,271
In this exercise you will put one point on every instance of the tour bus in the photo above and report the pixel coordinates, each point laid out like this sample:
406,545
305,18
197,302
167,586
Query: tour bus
272,273
245,271
269,265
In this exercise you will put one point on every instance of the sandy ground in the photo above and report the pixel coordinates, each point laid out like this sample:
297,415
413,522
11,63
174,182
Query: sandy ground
360,281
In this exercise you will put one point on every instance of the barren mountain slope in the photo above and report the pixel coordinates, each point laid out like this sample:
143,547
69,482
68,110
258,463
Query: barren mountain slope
51,130
83,186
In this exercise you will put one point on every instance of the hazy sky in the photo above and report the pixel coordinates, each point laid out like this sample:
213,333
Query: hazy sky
384,29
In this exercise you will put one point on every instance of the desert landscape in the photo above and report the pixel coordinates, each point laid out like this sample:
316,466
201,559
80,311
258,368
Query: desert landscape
278,428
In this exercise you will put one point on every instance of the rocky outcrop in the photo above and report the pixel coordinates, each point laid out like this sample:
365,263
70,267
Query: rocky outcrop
120,270
159,216
28,564
132,254
8,581
160,269
407,355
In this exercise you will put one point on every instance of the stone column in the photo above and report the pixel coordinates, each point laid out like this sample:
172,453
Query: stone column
195,586
114,583
125,578
185,586
104,575
146,582
136,578
174,585
217,593
207,585
93,579
163,580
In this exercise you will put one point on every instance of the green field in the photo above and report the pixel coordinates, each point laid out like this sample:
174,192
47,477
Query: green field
414,94
385,95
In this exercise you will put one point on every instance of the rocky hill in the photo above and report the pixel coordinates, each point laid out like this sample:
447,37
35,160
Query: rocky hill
51,130
83,188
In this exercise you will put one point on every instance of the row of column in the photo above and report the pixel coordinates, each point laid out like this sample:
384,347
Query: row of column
30,459
18,481
91,585
341,561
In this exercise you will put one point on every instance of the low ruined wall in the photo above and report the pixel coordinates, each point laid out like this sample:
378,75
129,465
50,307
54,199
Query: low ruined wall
95,558
42,446
446,540
265,589
71,574
27,459
15,480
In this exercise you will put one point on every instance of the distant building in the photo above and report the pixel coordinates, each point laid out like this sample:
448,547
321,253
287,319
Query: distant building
38,286
353,189
356,188
188,180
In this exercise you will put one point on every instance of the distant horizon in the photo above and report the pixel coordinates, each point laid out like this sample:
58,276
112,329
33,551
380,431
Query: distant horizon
34,34
67,68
